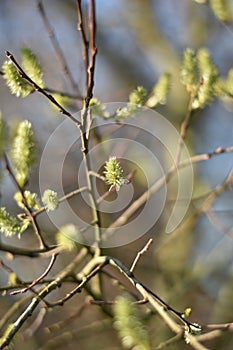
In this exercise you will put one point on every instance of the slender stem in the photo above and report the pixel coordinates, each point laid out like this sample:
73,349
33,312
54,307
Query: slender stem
7,337
185,123
62,199
35,253
37,280
80,27
125,216
63,93
35,86
89,55
56,46
28,210
140,253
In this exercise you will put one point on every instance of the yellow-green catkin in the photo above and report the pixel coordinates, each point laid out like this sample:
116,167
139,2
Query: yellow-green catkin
129,324
160,91
221,9
23,152
114,174
32,66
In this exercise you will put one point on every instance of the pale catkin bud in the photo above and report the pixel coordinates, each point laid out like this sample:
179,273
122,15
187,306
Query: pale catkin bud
68,236
137,99
221,9
129,324
32,66
138,96
2,135
114,174
50,199
208,74
10,225
188,73
23,152
30,199
229,82
17,85
160,91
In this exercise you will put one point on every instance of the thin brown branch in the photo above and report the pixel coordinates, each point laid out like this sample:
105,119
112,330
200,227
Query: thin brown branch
12,310
39,279
80,27
63,93
185,124
140,253
78,289
35,324
61,324
55,43
7,337
169,342
36,87
60,341
35,253
10,271
216,192
27,209
89,55
160,182
92,54
62,199
156,302
223,326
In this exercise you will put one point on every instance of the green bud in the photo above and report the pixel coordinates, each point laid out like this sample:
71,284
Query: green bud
187,312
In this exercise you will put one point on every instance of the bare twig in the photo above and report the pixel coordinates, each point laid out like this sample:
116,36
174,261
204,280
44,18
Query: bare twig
35,253
56,46
7,337
140,253
223,326
36,323
78,289
160,182
61,324
158,304
37,280
15,308
92,52
89,56
28,211
97,327
62,199
36,87
63,93
10,271
186,122
80,27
